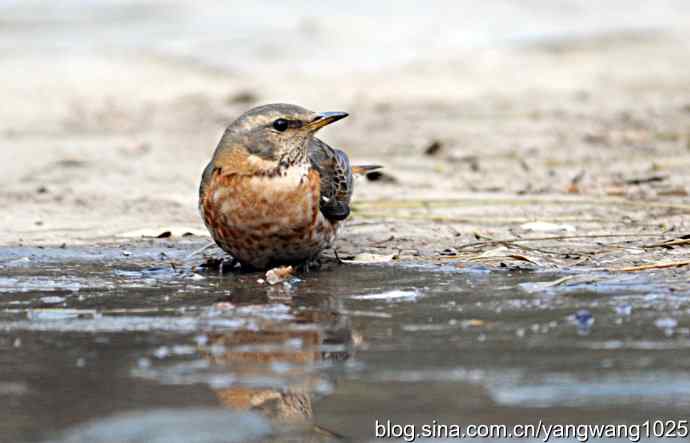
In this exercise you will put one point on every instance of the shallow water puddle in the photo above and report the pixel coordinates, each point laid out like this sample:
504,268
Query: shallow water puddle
98,345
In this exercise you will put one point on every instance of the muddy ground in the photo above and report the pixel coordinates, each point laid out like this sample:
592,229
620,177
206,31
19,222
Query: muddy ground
588,134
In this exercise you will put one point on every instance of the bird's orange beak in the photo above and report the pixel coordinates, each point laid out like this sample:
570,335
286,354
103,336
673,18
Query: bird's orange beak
325,118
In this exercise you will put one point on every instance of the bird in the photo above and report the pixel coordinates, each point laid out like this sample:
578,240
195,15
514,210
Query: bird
273,194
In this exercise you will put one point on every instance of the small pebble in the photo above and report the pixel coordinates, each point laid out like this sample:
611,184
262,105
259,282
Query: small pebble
52,299
624,310
278,275
449,251
666,324
584,320
584,317
162,352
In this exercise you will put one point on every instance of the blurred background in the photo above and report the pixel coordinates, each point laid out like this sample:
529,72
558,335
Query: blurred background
112,108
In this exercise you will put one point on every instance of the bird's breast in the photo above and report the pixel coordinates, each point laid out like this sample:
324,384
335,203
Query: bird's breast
289,198
262,215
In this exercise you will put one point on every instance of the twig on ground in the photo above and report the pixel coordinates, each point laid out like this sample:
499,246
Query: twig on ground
557,282
662,265
440,203
381,242
545,251
502,258
555,237
199,251
676,242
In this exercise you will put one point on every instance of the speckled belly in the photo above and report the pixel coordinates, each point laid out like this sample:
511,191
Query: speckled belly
267,220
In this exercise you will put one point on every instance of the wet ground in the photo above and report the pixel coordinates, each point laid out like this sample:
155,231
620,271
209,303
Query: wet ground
141,343
527,153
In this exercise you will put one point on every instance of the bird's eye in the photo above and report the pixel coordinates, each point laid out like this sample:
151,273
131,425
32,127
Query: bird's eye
280,125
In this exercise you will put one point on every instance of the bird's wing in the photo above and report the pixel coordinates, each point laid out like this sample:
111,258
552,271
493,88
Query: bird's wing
205,179
336,179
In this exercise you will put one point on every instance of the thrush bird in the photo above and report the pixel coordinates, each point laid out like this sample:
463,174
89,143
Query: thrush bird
273,193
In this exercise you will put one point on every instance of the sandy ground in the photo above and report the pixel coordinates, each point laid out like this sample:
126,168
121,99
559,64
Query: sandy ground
592,134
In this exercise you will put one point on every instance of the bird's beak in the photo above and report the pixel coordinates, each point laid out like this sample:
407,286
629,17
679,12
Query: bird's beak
325,118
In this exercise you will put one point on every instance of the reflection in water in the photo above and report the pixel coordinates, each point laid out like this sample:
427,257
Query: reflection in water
469,347
288,354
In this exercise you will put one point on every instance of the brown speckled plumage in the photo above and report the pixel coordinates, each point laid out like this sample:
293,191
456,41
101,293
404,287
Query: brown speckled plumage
273,193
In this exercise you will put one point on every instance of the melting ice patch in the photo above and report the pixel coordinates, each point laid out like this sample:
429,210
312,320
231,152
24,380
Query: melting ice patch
72,320
614,391
394,295
200,425
29,284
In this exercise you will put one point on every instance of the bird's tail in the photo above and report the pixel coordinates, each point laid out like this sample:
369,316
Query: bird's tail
365,169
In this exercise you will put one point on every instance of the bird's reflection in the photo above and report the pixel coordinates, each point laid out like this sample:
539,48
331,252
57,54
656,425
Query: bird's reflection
279,365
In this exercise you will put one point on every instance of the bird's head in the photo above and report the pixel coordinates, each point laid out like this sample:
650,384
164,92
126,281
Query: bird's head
277,133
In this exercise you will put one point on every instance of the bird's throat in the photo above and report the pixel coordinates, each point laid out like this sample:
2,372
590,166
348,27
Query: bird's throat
293,157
